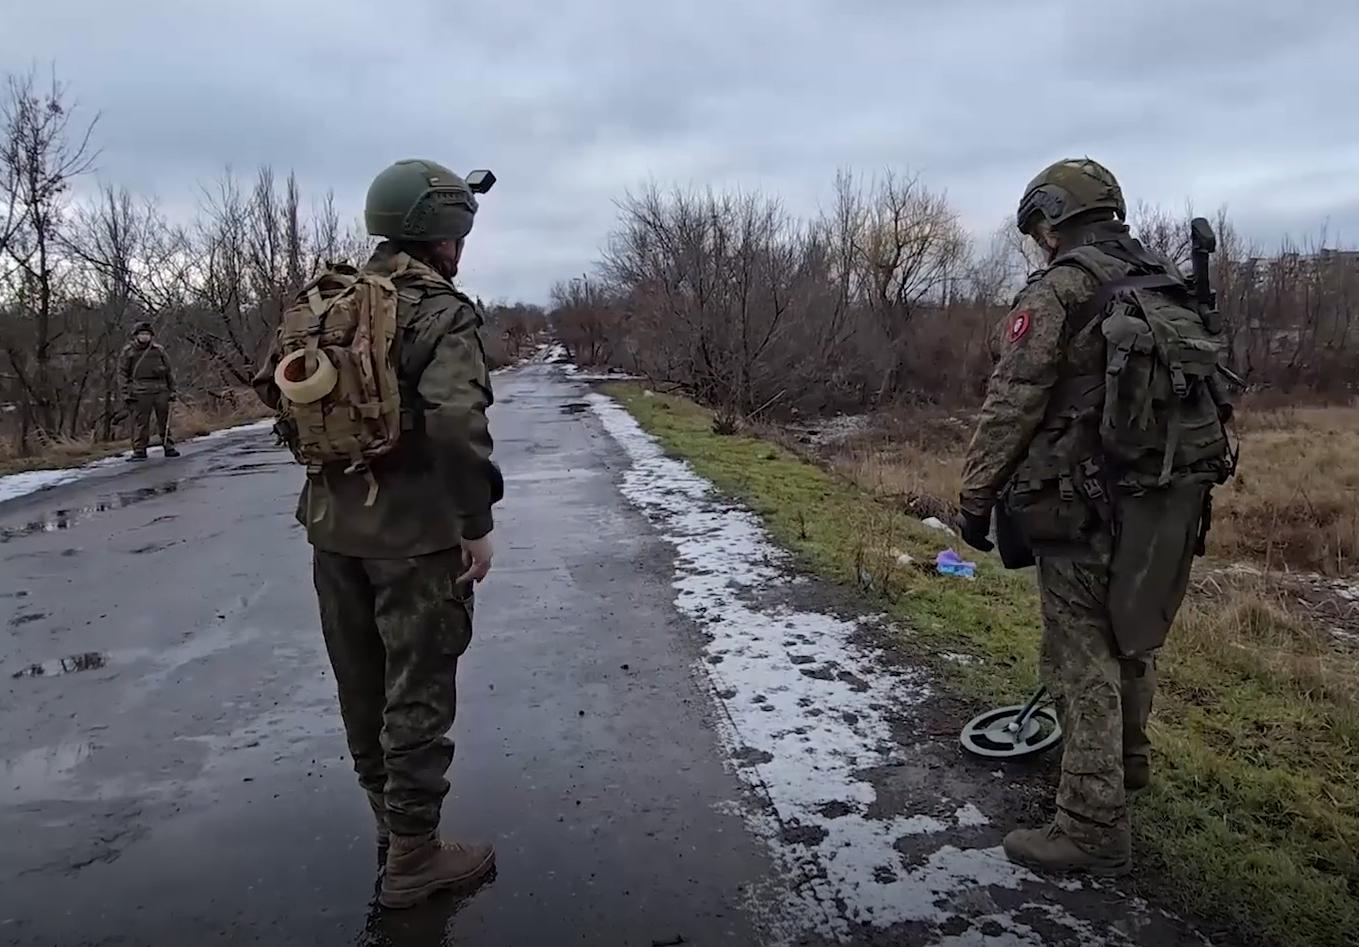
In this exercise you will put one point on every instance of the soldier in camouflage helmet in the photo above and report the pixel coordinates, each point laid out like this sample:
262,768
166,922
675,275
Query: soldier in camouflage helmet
1036,452
148,388
394,574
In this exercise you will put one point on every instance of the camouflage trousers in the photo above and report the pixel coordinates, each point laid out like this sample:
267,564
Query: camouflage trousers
1104,700
143,406
394,629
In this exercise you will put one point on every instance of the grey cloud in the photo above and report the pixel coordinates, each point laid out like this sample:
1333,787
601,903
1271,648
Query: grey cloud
1241,102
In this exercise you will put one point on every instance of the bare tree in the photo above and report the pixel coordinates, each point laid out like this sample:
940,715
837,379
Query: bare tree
1163,231
912,251
996,274
42,153
709,281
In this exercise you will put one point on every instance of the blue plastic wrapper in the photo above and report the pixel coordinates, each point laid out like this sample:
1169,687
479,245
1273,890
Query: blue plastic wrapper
949,562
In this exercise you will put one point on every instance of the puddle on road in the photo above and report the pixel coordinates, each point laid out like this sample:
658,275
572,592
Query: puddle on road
74,664
32,775
66,518
575,407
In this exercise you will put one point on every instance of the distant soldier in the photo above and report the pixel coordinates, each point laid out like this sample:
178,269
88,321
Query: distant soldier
148,388
1098,443
381,383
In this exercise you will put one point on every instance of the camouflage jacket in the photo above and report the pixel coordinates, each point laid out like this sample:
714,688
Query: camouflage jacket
1027,430
145,369
439,484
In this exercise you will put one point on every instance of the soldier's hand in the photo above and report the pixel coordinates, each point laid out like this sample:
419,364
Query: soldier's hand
973,527
476,557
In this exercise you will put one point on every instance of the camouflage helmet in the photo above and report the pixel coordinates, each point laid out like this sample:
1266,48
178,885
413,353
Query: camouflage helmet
419,200
1070,187
141,327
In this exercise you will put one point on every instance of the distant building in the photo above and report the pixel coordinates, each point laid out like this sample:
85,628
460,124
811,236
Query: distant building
1294,265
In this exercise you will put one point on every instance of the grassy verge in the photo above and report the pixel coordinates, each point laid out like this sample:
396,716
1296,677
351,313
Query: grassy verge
188,420
1253,820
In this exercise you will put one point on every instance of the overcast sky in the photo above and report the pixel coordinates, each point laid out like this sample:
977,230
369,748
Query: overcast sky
1250,103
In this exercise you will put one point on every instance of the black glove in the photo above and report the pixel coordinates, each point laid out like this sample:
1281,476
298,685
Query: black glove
973,527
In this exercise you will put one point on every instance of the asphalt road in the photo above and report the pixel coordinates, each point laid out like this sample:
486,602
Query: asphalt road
172,769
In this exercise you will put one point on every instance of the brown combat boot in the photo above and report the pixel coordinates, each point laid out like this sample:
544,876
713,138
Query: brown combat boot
1136,773
421,865
1052,850
379,806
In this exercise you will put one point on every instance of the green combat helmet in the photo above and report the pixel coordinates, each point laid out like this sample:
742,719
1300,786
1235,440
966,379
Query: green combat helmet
423,201
1071,186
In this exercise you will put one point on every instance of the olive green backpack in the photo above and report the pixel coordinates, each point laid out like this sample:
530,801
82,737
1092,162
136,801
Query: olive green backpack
1163,414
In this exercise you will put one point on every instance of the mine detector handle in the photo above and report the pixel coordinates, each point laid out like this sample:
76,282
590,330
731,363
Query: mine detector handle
1202,245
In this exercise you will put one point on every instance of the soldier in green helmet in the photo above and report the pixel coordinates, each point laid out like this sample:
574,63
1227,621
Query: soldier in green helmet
148,388
1112,537
397,552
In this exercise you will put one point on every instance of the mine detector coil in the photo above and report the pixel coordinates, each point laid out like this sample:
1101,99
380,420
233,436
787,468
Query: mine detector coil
1014,732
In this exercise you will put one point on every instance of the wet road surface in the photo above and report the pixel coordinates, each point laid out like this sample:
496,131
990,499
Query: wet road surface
671,736
171,765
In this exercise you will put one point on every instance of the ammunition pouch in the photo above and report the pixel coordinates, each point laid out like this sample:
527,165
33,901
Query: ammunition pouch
1047,513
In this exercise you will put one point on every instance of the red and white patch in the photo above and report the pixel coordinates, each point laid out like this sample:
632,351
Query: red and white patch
1019,325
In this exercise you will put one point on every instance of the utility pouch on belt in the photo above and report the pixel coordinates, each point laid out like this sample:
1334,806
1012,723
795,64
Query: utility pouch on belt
1156,533
1015,551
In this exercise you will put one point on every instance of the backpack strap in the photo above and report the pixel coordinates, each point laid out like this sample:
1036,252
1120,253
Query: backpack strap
320,306
1172,443
1106,292
1148,273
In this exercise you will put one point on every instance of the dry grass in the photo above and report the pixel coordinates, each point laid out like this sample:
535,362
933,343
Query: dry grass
911,456
1295,500
196,418
1294,503
189,418
1259,629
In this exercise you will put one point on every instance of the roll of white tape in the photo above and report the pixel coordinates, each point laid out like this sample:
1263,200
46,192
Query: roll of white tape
306,390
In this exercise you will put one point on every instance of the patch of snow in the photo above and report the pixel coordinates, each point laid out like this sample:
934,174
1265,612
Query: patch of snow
824,432
13,486
576,373
1012,934
603,376
266,424
796,688
959,658
1349,591
16,485
970,817
934,522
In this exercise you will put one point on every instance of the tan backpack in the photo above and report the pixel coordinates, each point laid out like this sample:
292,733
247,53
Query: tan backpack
337,371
